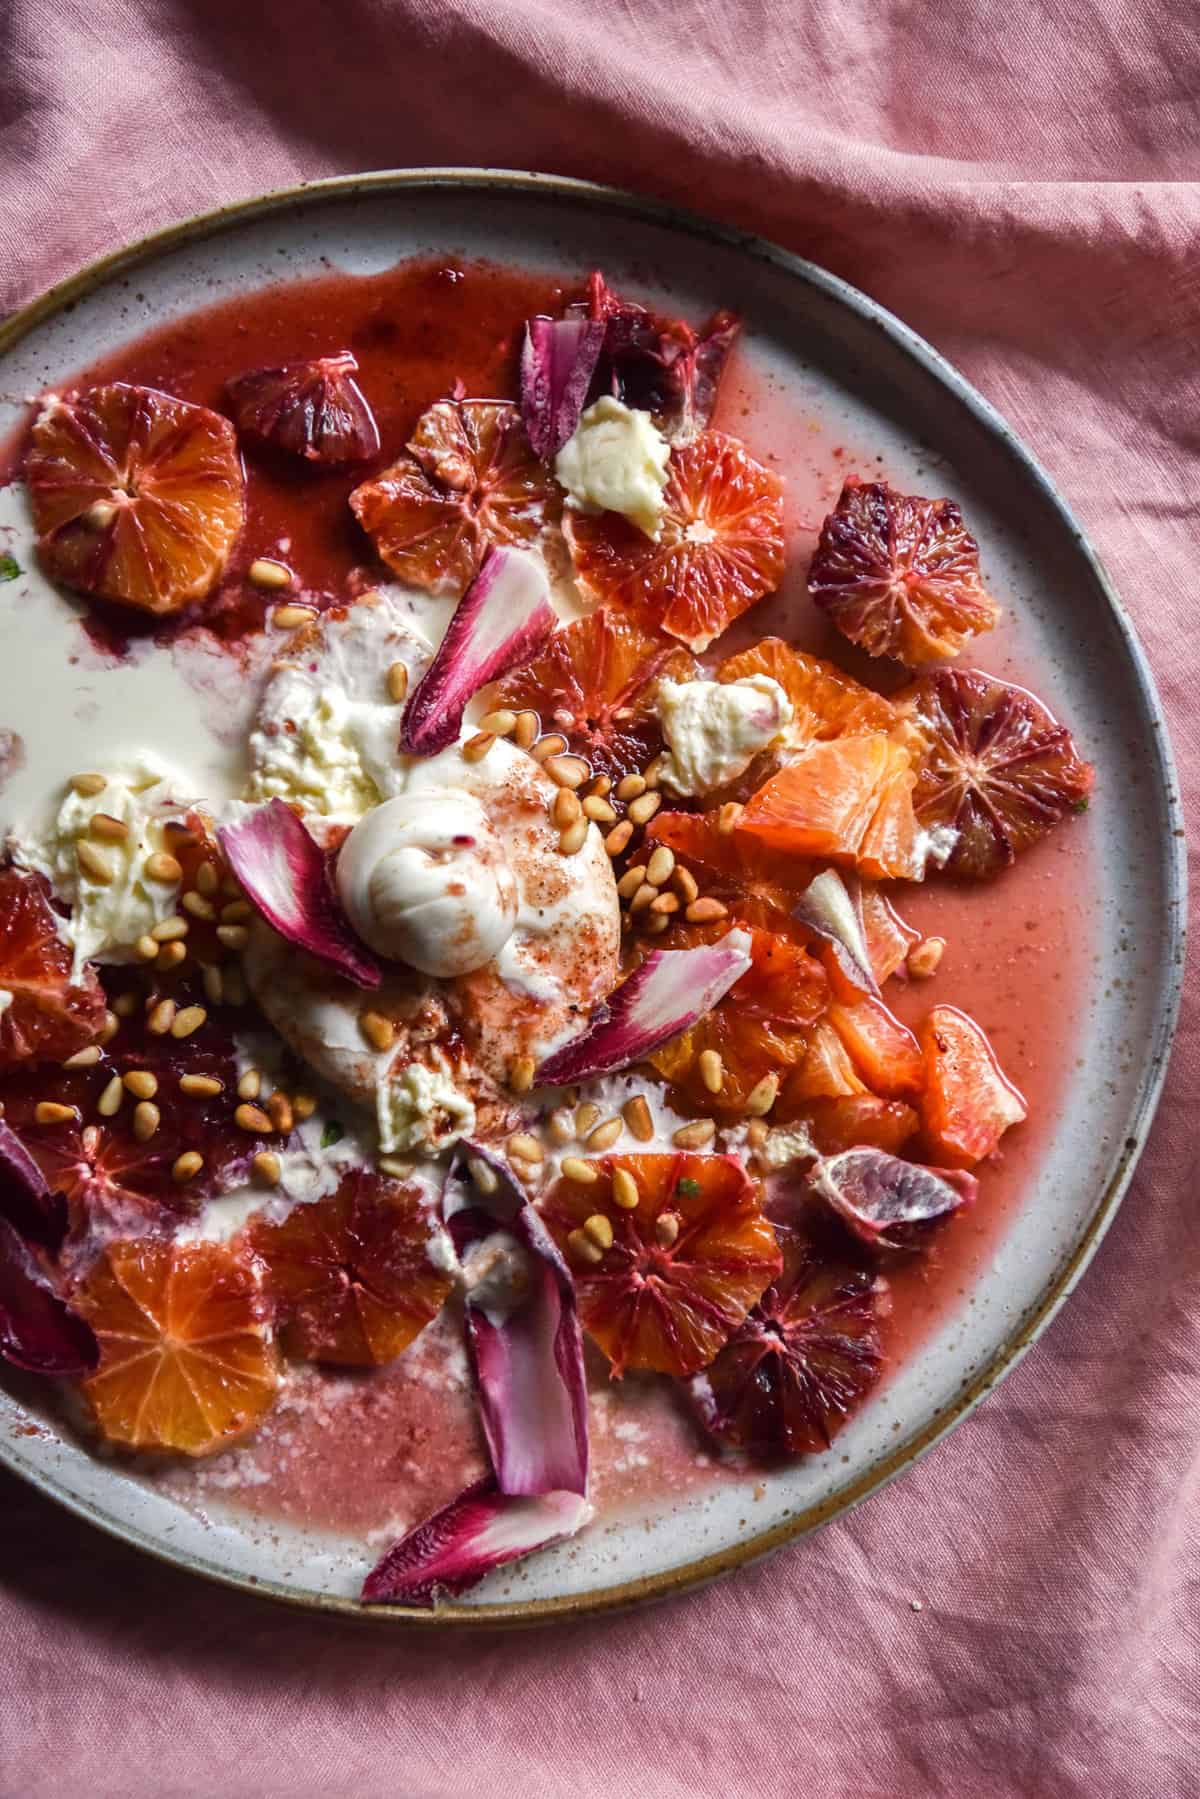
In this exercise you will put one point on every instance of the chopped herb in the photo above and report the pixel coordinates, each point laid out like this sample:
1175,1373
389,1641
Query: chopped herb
333,1133
1080,805
10,568
688,1188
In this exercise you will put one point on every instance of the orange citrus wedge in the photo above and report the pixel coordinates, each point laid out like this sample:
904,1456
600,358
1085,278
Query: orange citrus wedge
968,1102
849,801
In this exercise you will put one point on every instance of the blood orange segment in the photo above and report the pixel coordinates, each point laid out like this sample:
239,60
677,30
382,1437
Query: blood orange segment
826,703
719,547
468,480
312,409
884,1051
888,937
995,767
968,1102
849,802
351,1275
187,1360
826,1072
860,1120
685,1265
137,497
594,682
48,1016
899,575
800,1365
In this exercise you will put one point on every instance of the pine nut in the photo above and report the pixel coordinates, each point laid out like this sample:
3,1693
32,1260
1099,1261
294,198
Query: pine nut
199,907
586,1116
161,1017
146,1119
203,1086
652,773
625,1190
250,1084
549,746
207,879
727,818
235,987
631,880
84,1058
666,1229
48,1111
566,771
252,1118
565,808
379,1031
279,1111
654,922
231,887
109,1028
233,936
303,1105
484,1177
188,1020
636,1114
605,1135
89,785
599,810
161,867
684,883
665,904
265,572
762,1096
695,1135
923,959
573,838
109,1102
397,683
618,838
526,1148
477,747
599,787
141,1083
288,618
660,865
520,1074
632,787
107,828
170,956
576,1169
645,896
125,1005
583,1249
214,986
169,930
93,863
236,911
560,1126
526,729
642,810
600,1230
712,1070
757,1132
187,1166
266,1168
500,724
706,911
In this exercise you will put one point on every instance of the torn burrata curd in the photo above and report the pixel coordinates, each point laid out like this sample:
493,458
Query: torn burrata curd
504,1029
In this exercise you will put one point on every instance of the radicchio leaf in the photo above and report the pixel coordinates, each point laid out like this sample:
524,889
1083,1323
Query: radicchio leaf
480,1530
26,1200
557,364
665,995
286,880
522,1330
38,1332
501,621
834,914
671,371
887,1202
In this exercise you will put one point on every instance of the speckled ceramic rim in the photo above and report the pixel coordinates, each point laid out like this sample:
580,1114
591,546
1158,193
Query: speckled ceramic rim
593,198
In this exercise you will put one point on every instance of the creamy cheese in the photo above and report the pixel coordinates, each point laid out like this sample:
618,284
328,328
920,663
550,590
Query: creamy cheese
421,1108
6,1000
616,461
109,916
714,729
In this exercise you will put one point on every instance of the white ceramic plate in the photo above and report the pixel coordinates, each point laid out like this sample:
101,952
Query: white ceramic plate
861,370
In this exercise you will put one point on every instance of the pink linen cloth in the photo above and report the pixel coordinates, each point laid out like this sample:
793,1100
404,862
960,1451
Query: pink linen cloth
1018,182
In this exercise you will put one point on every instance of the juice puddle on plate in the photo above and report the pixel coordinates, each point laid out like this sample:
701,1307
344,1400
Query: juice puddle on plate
372,1452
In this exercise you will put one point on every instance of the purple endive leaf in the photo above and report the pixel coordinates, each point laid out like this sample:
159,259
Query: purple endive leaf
25,1198
832,912
667,369
38,1331
480,1530
888,1202
522,1330
502,619
665,995
285,878
557,364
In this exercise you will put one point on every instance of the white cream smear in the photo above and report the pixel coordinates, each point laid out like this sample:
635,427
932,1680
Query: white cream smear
616,461
714,729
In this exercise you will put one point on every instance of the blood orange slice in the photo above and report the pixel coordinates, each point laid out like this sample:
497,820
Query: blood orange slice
899,575
849,802
468,480
688,1257
48,1016
996,767
800,1365
826,1072
748,877
968,1102
594,682
137,497
350,1275
826,703
187,1361
718,550
312,409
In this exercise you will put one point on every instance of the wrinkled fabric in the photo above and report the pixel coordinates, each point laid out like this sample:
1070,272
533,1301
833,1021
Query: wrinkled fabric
1018,182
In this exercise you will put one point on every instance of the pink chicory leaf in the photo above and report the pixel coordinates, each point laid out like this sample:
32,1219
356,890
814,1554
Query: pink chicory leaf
502,620
665,995
312,409
286,880
557,363
832,911
25,1197
480,1530
522,1330
38,1331
887,1202
666,368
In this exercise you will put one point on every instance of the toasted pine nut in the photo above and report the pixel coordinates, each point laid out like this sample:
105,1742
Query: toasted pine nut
705,911
566,771
250,1084
762,1096
161,867
576,1169
161,1017
631,880
526,729
146,1118
642,810
560,1126
484,1177
379,1031
618,837
500,724
287,618
252,1118
631,787
652,772
660,865
397,683
636,1114
546,747
187,1166
84,1058
477,747
605,1135
207,879
264,571
279,1111
599,810
109,1102
653,922
141,1083
572,840
665,904
236,911
645,896
624,1190
924,957
169,930
586,1116
666,1229
728,816
235,987
599,787
600,1230
107,828
170,956
565,808
89,785
214,985
583,1249
125,1005
204,1086
684,883
712,1070
233,936
93,863
525,1147
303,1105
266,1168
109,1028
48,1111
146,948
695,1135
757,1132
187,1021
199,907
520,1074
